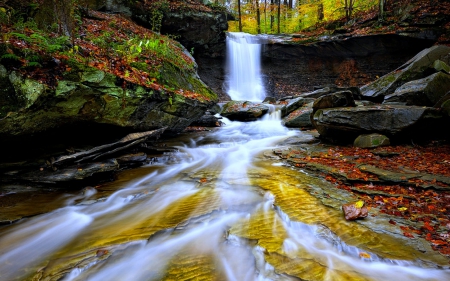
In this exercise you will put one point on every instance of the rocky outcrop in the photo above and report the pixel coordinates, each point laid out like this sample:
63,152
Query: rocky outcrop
426,91
420,66
346,123
300,117
89,95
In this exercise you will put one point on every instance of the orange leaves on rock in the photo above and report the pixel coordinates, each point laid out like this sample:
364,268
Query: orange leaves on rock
203,180
364,255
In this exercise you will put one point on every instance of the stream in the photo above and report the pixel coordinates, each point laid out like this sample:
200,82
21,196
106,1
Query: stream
218,209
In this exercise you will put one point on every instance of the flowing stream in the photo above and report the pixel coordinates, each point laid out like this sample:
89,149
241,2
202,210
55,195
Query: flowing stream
216,210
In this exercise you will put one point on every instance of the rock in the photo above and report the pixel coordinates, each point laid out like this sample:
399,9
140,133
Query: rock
90,96
446,107
441,66
269,100
132,159
423,92
208,120
356,210
337,99
300,117
346,123
70,174
107,149
416,68
294,104
199,28
244,110
371,141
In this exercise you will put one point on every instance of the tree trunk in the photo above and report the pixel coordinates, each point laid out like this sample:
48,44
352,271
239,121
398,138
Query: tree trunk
381,10
271,15
265,15
239,15
279,17
258,18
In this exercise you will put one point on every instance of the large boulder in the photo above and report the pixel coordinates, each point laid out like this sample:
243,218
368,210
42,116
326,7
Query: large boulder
346,123
300,117
418,67
294,104
244,110
200,28
425,92
90,96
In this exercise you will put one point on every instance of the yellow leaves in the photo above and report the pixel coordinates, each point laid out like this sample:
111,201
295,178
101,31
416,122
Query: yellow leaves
364,255
402,209
359,204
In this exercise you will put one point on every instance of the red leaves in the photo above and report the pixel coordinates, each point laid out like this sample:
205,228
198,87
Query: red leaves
408,199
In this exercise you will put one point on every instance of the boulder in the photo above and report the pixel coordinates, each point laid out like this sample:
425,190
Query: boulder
371,141
423,92
337,99
199,28
300,117
244,110
441,66
346,123
418,67
294,104
91,96
208,120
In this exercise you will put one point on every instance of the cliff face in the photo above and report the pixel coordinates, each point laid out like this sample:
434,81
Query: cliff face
290,68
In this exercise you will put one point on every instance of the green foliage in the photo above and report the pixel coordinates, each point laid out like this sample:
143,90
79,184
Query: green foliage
11,57
46,43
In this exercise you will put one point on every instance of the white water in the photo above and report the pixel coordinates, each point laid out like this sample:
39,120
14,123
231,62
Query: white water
244,80
26,247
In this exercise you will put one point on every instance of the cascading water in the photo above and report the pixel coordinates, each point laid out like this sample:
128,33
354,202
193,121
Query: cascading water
244,80
217,211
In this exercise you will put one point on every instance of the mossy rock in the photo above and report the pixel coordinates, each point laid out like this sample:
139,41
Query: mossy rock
371,141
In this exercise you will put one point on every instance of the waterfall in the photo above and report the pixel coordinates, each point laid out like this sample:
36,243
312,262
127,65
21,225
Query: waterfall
244,76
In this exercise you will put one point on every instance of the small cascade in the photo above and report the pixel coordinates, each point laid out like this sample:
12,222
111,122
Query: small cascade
243,57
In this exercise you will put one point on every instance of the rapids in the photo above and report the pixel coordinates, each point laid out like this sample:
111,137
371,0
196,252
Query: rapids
216,210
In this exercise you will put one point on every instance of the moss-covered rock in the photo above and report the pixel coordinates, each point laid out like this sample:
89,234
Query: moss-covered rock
371,141
418,67
91,96
423,92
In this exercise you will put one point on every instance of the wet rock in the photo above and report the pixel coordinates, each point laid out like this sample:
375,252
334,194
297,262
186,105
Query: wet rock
300,117
337,99
418,67
356,210
294,104
208,120
441,66
244,110
423,92
371,141
107,149
390,120
132,159
70,174
269,100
